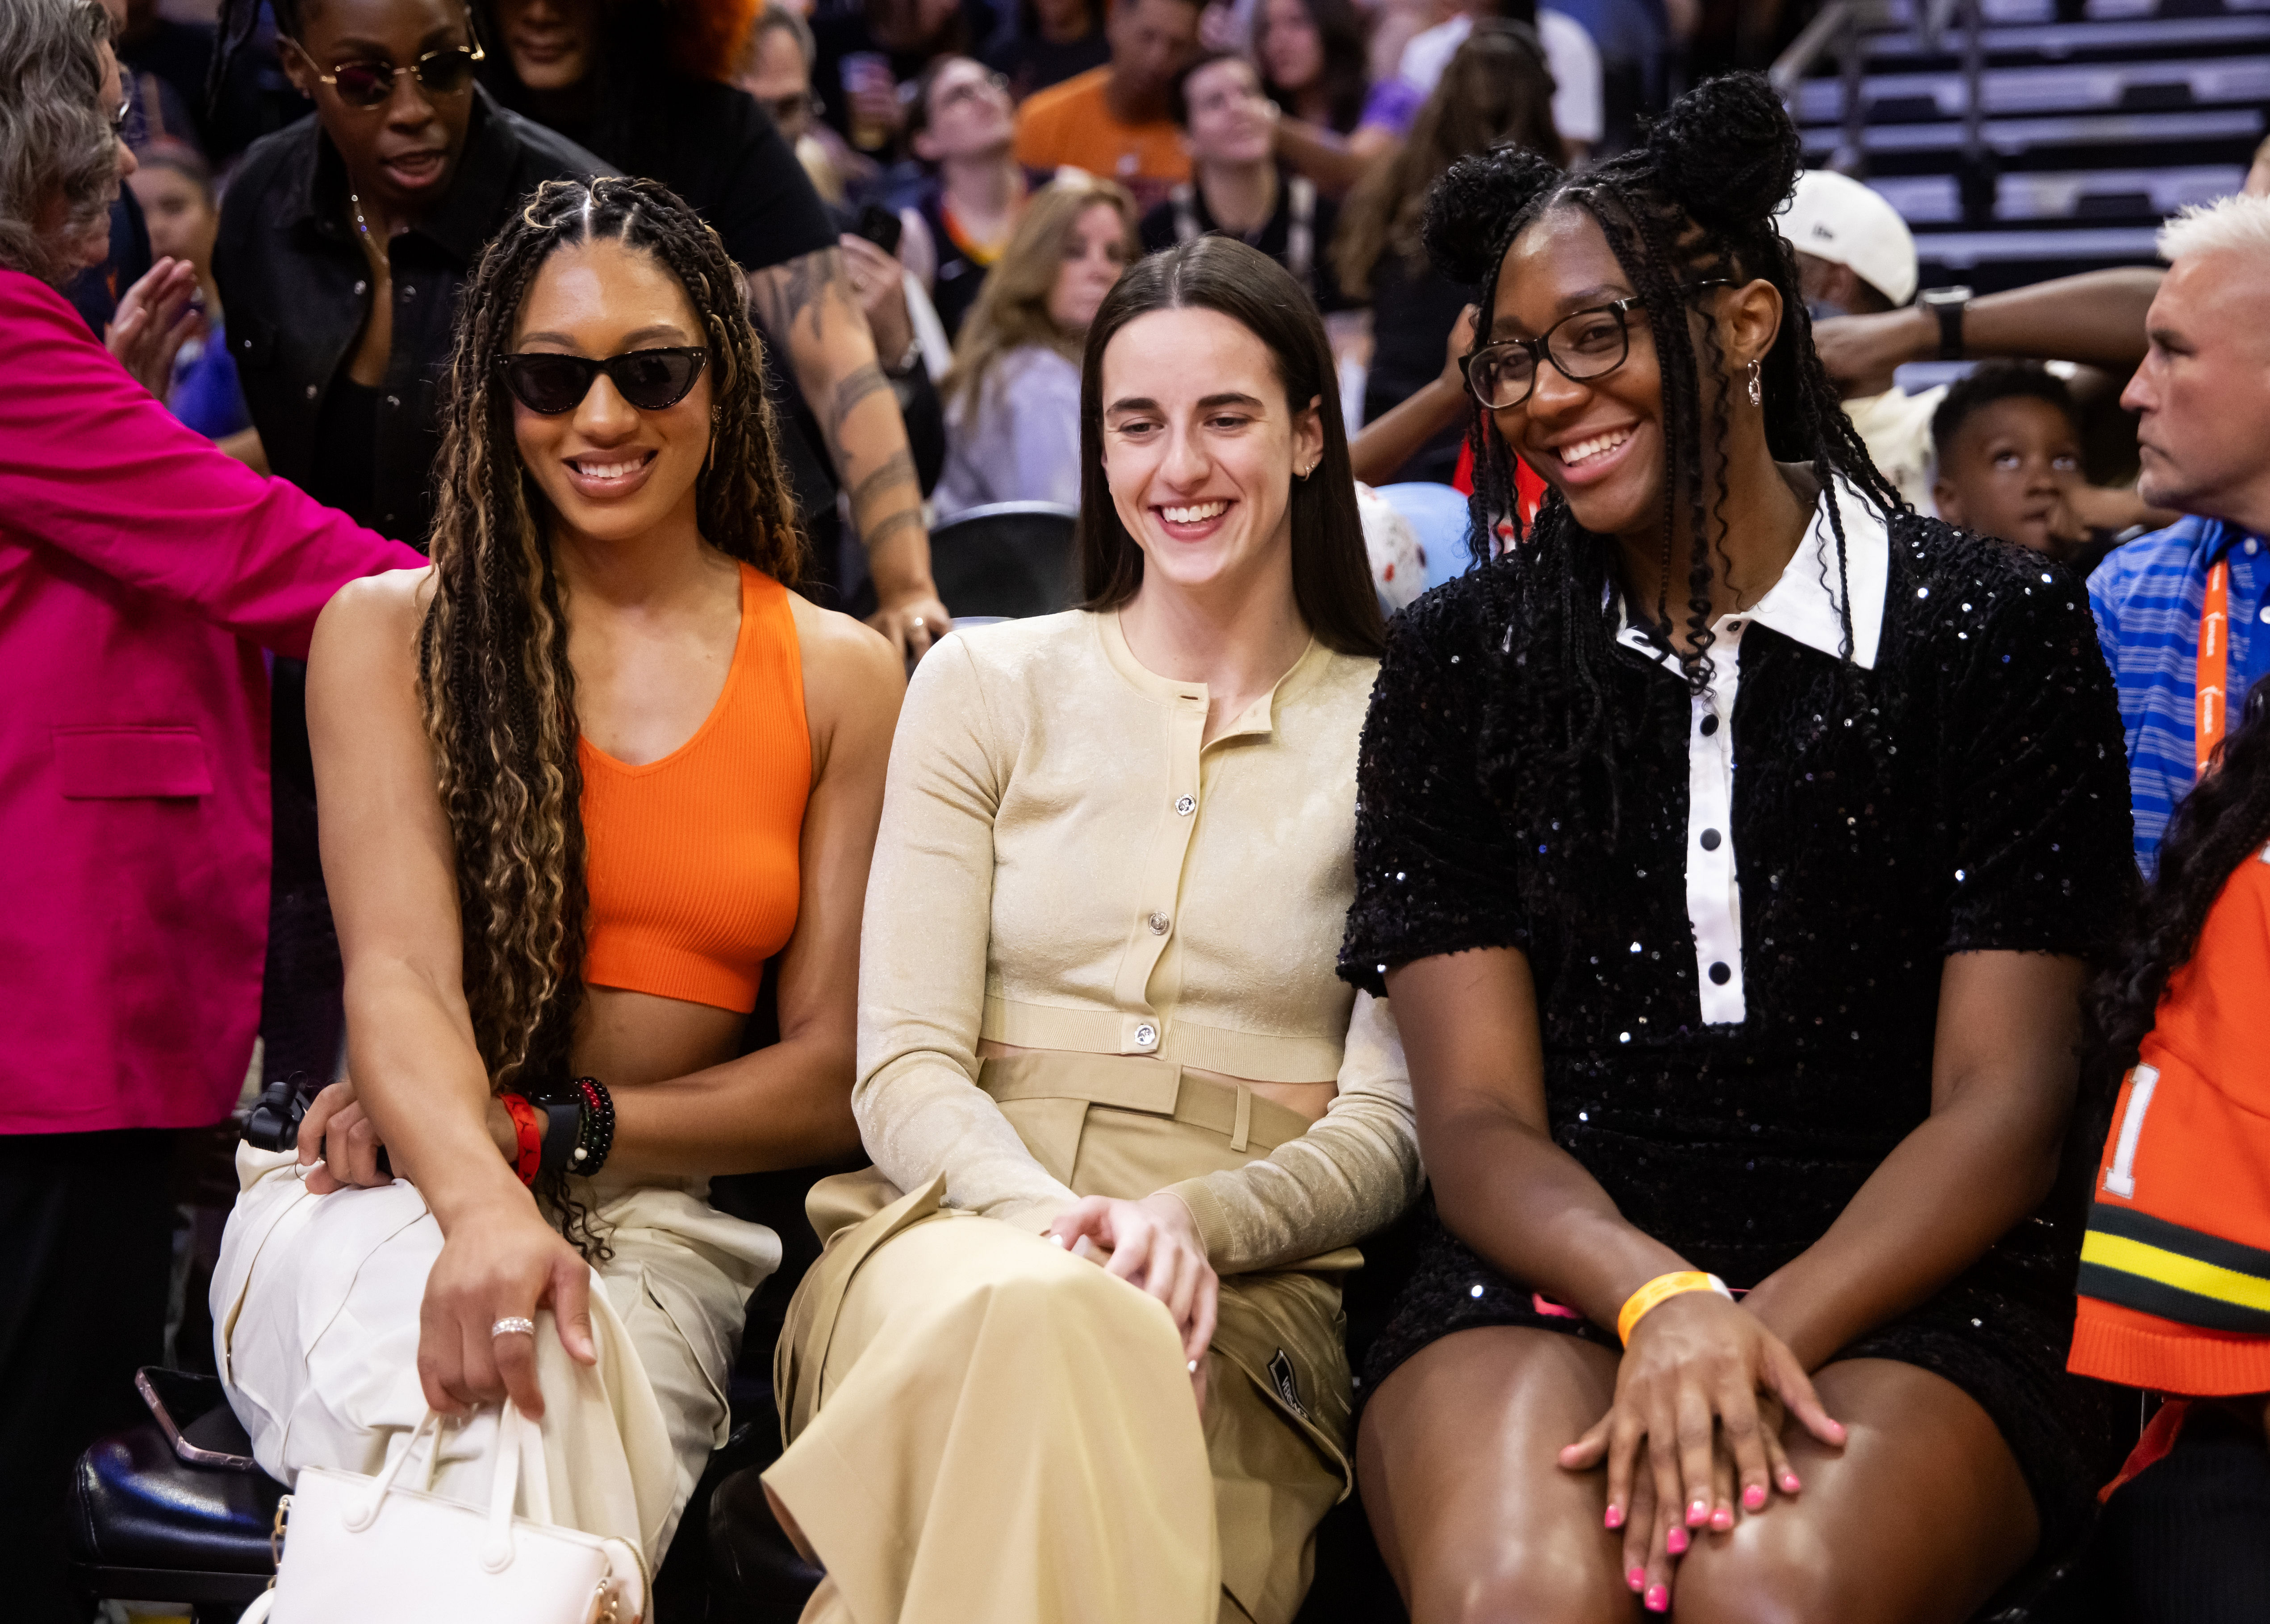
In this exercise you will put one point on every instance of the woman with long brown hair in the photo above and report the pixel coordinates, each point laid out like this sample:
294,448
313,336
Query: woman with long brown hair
1074,1351
587,783
1496,91
1011,398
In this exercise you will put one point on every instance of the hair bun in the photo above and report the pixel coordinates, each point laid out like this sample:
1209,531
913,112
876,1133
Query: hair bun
1477,199
1727,150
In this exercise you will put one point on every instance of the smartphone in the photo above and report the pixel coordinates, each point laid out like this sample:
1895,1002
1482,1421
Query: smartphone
193,1412
881,227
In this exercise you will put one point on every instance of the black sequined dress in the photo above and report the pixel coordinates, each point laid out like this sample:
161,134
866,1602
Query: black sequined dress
1989,813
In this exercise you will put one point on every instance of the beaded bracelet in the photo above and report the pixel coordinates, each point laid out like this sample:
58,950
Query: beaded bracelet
595,1134
1656,1291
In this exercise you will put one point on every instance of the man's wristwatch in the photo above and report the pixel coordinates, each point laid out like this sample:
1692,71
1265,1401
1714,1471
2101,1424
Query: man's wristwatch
1947,303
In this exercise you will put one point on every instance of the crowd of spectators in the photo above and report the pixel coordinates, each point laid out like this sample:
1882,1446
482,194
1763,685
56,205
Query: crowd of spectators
926,204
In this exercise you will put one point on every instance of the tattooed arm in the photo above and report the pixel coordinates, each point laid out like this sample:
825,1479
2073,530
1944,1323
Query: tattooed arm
807,306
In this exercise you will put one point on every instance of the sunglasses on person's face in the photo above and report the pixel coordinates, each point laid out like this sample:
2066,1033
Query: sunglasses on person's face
371,84
650,380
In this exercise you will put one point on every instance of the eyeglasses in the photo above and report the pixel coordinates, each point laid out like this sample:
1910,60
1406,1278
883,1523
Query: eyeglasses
371,84
1582,345
969,90
650,380
122,121
789,108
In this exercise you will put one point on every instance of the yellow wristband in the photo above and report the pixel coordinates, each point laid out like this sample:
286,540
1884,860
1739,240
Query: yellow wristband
1657,1290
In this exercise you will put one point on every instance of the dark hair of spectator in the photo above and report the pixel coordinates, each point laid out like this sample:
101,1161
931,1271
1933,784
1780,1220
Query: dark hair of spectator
1994,381
1496,89
1331,578
2221,824
1346,72
184,160
926,81
1178,101
497,692
1694,204
55,143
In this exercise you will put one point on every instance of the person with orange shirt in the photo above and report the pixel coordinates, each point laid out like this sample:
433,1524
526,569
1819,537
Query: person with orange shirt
2175,1269
1113,121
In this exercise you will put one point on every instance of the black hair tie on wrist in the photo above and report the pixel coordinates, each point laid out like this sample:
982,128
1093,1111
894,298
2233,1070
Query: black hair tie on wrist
594,1134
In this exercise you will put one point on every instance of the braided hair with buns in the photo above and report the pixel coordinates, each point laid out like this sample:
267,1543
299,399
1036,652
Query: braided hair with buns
1692,205
494,684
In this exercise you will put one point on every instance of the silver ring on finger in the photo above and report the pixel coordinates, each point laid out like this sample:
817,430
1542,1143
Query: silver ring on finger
512,1325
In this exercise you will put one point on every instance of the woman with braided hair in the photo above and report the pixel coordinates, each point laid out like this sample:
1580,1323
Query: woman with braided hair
1733,848
581,780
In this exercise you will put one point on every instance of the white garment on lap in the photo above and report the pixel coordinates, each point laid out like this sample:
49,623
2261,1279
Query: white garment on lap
316,1317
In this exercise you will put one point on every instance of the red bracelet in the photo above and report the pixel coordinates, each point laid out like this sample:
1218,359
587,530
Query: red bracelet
529,1130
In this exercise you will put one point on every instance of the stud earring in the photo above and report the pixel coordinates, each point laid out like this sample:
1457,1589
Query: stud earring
1757,389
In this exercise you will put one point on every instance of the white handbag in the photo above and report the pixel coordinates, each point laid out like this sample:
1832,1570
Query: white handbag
359,1550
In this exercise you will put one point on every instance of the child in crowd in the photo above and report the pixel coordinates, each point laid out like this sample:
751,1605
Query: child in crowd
176,189
2006,441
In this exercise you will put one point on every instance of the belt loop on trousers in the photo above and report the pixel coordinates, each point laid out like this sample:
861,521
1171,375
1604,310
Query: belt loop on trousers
1242,1129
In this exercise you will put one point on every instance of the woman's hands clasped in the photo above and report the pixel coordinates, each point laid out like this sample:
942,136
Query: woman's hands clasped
1696,1426
1152,1245
498,1264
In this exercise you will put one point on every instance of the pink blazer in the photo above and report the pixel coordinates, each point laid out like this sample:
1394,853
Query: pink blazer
142,571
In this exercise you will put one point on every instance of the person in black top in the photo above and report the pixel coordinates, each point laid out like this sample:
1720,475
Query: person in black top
1733,848
345,242
345,239
1236,188
635,83
962,126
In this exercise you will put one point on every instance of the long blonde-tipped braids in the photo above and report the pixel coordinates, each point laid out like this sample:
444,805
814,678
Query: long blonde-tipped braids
494,684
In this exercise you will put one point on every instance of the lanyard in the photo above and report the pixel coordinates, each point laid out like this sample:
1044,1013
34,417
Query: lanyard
2213,657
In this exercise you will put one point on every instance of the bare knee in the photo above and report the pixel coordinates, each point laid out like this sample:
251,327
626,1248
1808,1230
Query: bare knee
1762,1575
1516,1582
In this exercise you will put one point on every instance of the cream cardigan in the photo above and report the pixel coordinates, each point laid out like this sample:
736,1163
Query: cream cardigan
1061,866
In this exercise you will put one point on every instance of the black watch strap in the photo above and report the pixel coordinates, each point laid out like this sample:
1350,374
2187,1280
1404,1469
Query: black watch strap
563,1126
1949,312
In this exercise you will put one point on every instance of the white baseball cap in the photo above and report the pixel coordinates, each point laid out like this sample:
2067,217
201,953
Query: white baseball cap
1836,218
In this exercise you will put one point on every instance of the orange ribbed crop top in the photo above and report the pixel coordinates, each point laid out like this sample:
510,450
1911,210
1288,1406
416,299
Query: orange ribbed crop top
693,859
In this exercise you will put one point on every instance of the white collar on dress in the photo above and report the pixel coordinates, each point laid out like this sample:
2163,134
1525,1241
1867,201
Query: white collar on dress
1802,606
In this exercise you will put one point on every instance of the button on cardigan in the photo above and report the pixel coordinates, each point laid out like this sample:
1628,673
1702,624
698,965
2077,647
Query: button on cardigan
1063,865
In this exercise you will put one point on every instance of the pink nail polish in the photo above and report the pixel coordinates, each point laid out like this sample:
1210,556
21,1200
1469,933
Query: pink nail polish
1615,1518
1698,1514
1637,1579
1658,1598
1675,1542
1789,1483
1722,1519
1753,1498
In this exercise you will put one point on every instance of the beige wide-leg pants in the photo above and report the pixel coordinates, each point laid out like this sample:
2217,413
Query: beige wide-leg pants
984,1429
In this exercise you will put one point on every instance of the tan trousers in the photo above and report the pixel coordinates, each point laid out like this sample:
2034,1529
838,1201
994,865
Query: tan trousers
983,1429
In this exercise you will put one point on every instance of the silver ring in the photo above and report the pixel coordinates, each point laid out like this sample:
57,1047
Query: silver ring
513,1326
920,621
